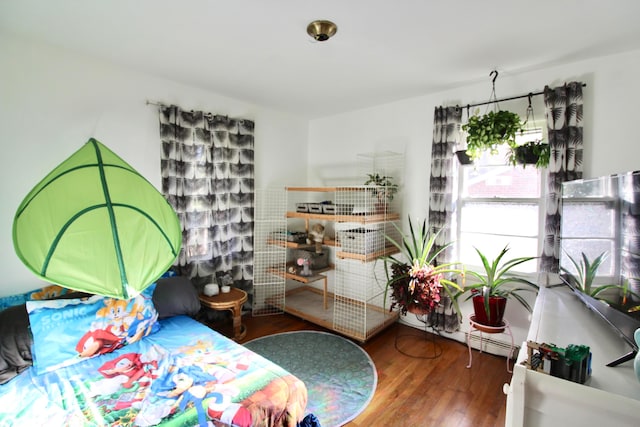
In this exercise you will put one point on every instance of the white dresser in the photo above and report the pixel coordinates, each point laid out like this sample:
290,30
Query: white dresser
611,397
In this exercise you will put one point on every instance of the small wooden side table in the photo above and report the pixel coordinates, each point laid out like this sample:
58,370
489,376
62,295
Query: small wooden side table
231,301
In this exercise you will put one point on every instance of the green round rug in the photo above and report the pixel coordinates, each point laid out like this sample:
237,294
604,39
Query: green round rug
340,376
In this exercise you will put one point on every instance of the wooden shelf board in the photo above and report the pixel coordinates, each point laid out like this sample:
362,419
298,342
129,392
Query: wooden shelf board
313,189
334,189
363,219
390,250
305,302
302,279
294,245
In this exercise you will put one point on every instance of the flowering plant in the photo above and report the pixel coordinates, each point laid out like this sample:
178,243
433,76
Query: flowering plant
415,279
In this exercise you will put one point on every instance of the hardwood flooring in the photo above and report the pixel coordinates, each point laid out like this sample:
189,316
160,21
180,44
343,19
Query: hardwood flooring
417,392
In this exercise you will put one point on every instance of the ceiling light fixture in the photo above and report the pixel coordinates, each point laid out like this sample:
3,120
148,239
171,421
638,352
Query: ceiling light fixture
321,30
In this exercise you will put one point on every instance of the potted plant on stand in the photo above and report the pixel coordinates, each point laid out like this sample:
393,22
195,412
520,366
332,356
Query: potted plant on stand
495,286
414,279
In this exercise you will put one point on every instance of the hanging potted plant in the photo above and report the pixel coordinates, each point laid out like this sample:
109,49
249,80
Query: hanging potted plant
495,286
535,152
463,157
487,132
531,153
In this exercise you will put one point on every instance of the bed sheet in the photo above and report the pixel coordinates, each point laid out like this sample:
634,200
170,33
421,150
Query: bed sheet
184,374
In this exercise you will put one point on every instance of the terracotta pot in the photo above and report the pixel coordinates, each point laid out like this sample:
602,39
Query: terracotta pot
497,306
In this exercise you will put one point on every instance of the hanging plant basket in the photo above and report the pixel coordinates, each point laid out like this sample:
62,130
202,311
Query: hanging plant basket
526,156
532,153
489,131
463,157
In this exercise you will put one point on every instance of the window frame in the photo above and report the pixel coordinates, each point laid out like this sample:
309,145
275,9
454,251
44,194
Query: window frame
462,200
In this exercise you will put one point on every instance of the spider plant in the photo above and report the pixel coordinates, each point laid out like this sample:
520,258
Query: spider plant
492,282
586,272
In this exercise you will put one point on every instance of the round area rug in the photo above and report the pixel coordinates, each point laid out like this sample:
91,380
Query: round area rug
340,376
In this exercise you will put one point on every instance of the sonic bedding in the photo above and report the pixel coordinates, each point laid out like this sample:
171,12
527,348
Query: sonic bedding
99,361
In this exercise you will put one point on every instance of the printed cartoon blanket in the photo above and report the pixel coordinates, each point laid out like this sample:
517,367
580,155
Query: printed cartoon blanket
183,375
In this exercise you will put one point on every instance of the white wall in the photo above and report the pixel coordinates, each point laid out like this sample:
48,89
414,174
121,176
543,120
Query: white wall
406,126
610,141
53,101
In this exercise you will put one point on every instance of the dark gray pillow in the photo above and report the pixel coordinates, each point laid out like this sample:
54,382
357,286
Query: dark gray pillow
175,296
16,338
15,342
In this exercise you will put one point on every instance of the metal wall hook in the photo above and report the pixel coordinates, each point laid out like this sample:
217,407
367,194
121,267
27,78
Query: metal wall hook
494,77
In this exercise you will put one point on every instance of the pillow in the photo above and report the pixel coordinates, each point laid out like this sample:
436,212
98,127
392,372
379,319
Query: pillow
48,292
15,342
175,296
68,331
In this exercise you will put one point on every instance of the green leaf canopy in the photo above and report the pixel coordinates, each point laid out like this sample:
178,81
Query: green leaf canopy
94,224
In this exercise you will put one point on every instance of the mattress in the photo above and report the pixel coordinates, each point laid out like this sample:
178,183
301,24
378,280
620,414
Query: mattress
184,374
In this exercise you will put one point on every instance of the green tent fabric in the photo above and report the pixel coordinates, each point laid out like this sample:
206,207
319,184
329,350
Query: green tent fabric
94,224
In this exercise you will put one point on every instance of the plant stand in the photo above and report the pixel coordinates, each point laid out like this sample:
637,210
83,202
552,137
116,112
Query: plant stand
502,329
434,350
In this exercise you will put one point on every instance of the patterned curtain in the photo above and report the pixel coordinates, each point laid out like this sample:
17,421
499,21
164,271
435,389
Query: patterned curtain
563,106
208,177
446,135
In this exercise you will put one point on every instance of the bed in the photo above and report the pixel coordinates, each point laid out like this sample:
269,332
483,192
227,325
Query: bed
164,367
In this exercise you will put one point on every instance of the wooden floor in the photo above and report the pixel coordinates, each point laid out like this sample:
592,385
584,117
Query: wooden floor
416,392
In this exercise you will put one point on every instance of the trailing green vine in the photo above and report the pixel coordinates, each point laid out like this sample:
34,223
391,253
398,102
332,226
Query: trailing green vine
487,132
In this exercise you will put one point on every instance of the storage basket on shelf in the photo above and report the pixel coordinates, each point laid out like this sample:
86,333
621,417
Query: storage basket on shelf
315,208
361,240
290,236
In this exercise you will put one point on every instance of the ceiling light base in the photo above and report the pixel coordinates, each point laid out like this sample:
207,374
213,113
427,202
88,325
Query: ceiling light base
322,30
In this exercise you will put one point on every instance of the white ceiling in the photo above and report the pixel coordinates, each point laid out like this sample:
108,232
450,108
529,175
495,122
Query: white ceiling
258,50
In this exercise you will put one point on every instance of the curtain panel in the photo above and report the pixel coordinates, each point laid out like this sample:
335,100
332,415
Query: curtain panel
563,109
446,135
207,165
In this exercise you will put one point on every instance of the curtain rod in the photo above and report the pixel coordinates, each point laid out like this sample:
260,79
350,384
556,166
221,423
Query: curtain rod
495,101
208,115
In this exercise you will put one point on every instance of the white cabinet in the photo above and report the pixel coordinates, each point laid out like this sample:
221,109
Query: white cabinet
610,397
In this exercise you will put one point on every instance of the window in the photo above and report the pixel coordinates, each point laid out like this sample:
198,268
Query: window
591,223
499,205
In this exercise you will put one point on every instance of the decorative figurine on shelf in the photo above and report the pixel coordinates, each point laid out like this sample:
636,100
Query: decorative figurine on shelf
316,234
304,263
